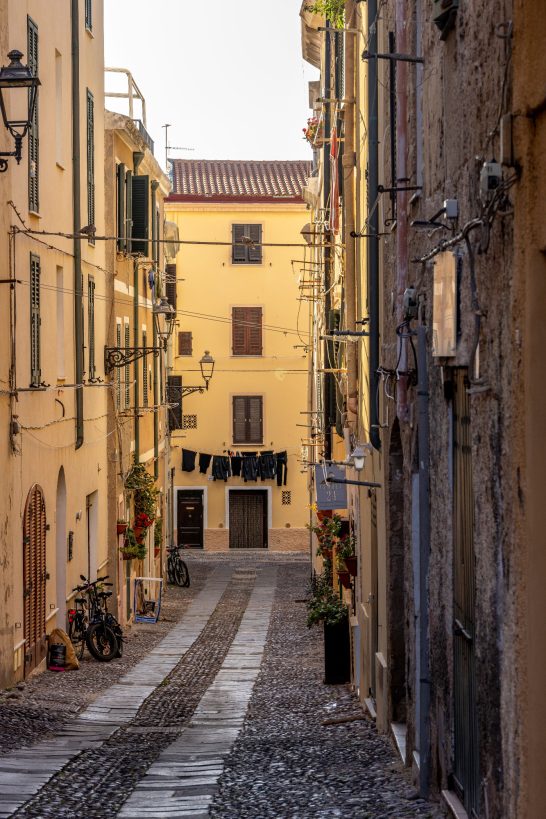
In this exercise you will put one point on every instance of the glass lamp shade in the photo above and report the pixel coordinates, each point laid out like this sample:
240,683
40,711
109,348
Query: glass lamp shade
358,456
207,367
13,77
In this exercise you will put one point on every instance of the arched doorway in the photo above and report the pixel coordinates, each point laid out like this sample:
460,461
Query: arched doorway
397,578
34,578
60,549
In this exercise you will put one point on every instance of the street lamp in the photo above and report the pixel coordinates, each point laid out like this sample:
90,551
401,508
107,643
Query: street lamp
207,367
164,329
13,77
358,456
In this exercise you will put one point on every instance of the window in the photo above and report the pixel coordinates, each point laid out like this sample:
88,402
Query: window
128,228
33,132
170,285
185,343
189,422
247,419
246,330
118,369
174,400
91,326
35,321
246,247
144,371
121,228
127,369
140,214
59,130
89,15
60,323
90,161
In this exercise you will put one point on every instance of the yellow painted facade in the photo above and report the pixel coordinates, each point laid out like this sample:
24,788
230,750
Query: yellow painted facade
209,285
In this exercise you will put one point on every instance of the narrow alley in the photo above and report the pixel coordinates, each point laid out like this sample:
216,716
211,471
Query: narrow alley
225,715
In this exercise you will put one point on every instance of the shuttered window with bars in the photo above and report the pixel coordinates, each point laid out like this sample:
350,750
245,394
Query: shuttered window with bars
120,219
89,15
247,419
118,369
185,343
246,331
35,322
140,214
91,325
170,284
247,248
127,341
144,371
128,211
174,400
33,132
90,161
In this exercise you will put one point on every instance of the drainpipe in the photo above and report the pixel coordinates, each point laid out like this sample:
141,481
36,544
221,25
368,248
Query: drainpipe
77,223
401,69
373,225
349,217
136,363
424,552
327,235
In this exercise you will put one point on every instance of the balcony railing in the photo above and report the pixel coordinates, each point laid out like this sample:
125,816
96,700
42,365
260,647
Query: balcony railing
144,134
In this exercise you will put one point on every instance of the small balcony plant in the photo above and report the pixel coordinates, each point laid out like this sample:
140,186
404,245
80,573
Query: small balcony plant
313,132
132,549
333,10
327,532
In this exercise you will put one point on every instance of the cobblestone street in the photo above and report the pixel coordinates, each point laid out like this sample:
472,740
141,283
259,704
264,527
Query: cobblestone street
218,711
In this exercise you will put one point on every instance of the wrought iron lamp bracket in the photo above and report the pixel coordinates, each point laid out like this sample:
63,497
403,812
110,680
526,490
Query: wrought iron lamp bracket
116,357
190,390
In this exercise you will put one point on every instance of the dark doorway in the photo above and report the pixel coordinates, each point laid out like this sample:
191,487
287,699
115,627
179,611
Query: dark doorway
34,578
466,762
190,518
396,583
248,519
374,609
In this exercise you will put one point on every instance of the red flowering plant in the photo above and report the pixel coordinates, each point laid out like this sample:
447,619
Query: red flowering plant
311,132
142,521
327,532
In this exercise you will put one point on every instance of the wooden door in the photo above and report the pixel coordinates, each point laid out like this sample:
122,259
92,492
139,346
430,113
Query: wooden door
190,519
248,519
34,578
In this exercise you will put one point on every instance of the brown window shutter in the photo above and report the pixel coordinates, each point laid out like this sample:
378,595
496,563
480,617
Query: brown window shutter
170,284
254,330
238,327
255,419
239,419
247,419
174,399
255,252
246,330
185,343
238,251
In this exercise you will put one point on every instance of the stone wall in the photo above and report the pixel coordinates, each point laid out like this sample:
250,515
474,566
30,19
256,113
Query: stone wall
280,540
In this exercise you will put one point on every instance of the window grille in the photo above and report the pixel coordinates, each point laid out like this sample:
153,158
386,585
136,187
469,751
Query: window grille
189,422
286,498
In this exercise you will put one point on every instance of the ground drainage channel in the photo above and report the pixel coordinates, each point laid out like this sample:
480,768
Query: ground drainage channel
98,781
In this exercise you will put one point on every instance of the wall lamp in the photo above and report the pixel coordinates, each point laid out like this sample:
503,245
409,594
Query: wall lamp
17,77
206,364
163,308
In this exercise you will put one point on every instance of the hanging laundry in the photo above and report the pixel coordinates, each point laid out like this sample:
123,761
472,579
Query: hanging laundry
251,467
220,468
282,467
236,465
188,460
267,465
204,463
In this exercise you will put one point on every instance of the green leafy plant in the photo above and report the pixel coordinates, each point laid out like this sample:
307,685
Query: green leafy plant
142,484
345,547
132,548
158,533
327,532
333,10
325,605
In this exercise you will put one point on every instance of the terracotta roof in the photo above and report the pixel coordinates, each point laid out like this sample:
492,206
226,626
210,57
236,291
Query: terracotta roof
218,180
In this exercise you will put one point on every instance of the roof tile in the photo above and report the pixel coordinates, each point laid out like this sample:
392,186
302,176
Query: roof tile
217,179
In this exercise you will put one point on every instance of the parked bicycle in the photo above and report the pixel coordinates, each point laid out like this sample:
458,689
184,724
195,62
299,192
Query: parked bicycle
177,568
91,624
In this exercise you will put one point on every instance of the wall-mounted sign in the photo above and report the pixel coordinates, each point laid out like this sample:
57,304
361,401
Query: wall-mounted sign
330,495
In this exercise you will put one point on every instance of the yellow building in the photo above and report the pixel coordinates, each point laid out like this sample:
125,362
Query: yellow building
53,501
237,296
135,357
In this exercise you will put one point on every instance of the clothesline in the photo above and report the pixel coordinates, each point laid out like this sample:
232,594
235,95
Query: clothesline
266,465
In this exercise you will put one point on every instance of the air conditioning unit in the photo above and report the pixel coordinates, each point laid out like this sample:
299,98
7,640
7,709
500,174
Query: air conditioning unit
443,14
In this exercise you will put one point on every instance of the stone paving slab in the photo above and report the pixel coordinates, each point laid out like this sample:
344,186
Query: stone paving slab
197,756
116,707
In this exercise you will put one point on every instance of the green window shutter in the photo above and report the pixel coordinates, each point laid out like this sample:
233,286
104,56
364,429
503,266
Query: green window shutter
255,252
127,367
170,284
91,326
174,400
90,160
239,255
35,322
144,371
129,210
141,214
121,226
118,369
33,132
89,14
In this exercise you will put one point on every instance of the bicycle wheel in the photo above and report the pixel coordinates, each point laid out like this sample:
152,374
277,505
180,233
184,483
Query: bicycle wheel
102,642
184,573
170,571
77,638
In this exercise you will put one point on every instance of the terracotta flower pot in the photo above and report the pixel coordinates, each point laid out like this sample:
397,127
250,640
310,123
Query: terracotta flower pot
345,579
352,565
127,555
139,534
121,528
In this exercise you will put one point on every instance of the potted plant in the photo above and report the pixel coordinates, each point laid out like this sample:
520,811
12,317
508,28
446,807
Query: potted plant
326,607
347,560
121,527
327,532
333,10
158,536
132,549
313,132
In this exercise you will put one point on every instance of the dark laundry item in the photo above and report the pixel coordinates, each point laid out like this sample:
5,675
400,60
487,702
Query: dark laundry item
251,467
220,468
236,465
282,467
188,460
267,465
204,463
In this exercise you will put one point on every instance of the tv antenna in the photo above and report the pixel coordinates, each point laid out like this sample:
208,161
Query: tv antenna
171,147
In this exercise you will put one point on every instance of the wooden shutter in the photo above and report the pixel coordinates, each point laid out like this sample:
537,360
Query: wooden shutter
35,321
239,255
129,211
247,419
170,284
118,369
91,325
255,252
34,577
185,343
144,371
90,161
89,14
121,227
141,214
33,132
127,340
247,330
174,399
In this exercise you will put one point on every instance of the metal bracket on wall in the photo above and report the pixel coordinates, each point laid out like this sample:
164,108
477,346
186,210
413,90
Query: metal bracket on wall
115,357
405,58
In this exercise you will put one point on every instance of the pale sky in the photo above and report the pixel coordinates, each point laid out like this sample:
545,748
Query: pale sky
228,76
